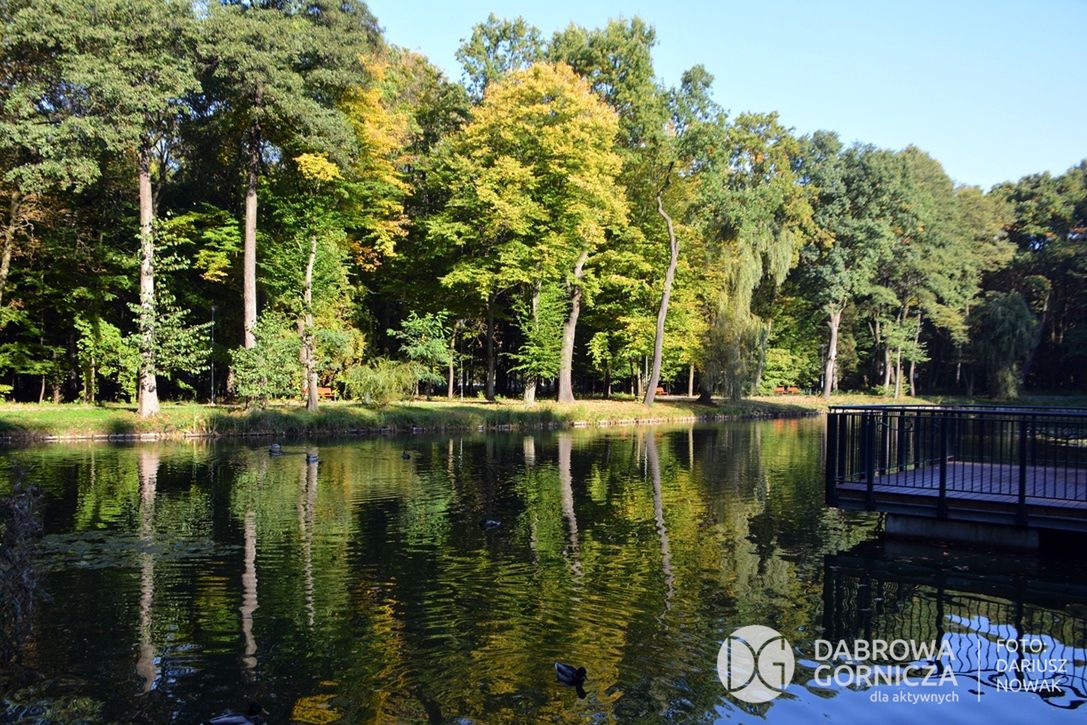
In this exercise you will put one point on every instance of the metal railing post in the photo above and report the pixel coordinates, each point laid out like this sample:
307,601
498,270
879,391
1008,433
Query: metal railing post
945,433
1021,507
868,438
832,458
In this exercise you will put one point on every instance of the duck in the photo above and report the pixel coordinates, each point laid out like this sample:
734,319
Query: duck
489,524
275,450
311,458
254,716
571,677
406,456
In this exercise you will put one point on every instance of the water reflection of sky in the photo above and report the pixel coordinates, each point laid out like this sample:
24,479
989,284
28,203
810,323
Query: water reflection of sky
186,579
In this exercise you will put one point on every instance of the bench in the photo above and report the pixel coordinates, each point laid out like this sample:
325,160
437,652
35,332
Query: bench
323,392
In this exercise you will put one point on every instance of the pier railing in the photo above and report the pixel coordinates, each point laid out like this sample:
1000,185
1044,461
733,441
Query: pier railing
1008,454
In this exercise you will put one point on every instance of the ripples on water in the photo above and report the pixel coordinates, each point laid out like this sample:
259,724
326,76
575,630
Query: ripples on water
186,579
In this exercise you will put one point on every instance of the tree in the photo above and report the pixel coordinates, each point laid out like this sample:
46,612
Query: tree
534,193
1003,337
496,48
278,75
127,82
540,320
424,343
755,217
695,118
852,192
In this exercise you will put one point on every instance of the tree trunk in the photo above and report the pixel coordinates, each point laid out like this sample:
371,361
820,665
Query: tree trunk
249,261
307,338
148,396
898,373
9,243
834,321
452,359
1024,370
530,378
690,381
913,363
569,329
706,385
886,367
489,382
662,311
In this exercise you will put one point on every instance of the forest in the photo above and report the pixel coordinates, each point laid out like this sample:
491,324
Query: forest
263,201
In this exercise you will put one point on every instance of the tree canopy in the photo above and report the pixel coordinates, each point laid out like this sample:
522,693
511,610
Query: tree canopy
560,221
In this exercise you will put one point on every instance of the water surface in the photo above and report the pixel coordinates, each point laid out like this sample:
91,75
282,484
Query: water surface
185,579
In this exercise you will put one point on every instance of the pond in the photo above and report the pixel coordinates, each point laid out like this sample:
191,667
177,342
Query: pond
186,579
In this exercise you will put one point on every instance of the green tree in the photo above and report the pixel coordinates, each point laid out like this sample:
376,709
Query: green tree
496,48
755,217
424,341
540,319
279,72
127,83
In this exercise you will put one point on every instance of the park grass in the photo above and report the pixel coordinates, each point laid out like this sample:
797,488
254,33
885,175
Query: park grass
23,422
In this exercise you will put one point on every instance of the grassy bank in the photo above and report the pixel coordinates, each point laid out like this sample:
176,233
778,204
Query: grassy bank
30,422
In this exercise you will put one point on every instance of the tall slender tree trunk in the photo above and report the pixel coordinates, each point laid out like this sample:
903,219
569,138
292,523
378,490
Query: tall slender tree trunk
833,321
530,378
452,358
913,363
148,395
690,381
489,383
307,338
898,373
1043,317
569,329
662,311
9,242
249,260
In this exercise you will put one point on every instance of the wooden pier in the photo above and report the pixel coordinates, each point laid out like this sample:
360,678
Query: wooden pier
1015,466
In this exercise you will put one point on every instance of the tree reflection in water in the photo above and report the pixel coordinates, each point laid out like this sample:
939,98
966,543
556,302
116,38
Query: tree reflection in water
631,552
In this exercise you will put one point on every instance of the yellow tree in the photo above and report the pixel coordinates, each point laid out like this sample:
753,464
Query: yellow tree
533,195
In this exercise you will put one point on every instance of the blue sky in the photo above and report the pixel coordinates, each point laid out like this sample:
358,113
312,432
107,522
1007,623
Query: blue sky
994,90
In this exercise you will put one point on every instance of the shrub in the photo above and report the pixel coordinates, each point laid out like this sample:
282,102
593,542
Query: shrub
271,369
381,382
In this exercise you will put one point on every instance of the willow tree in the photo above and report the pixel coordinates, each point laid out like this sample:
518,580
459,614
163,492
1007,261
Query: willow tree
754,217
1003,336
533,194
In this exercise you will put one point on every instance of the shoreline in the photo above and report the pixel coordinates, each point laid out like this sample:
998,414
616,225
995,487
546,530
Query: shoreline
30,423
104,424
